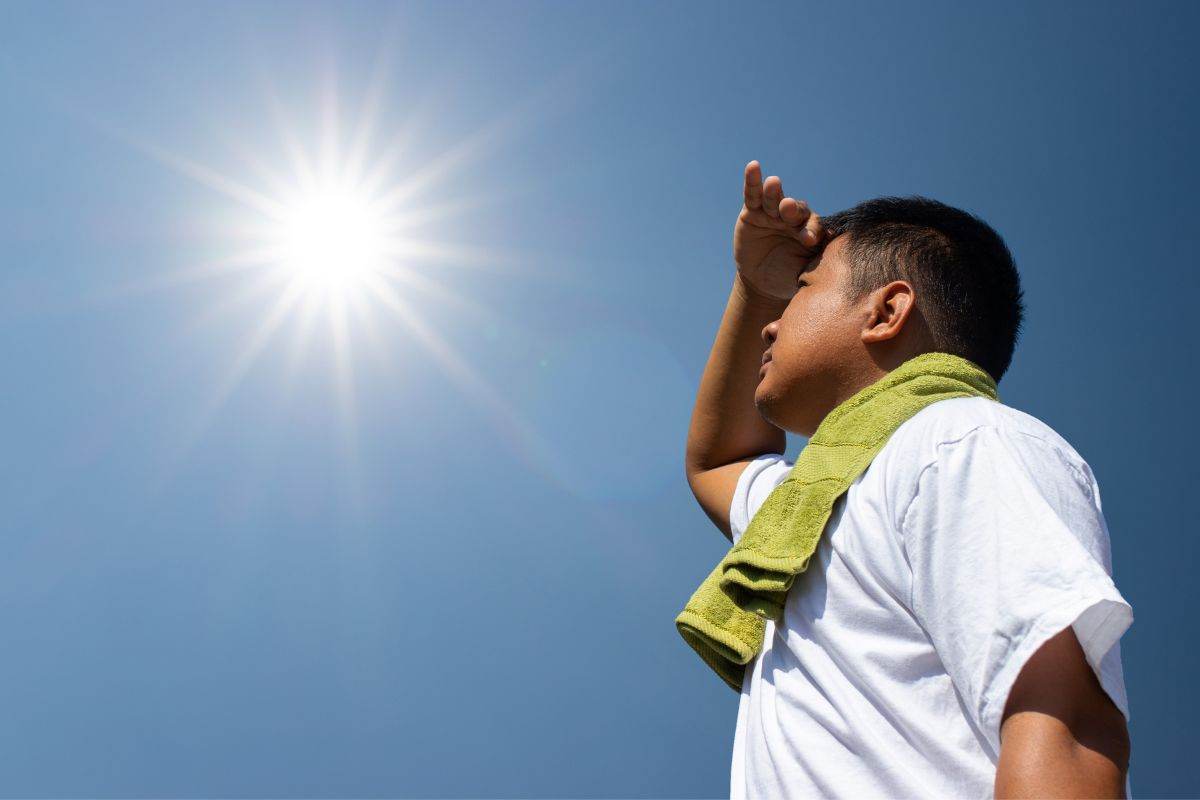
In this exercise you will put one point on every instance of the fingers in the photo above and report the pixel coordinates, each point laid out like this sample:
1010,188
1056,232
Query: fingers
806,226
794,212
753,188
772,194
814,232
769,208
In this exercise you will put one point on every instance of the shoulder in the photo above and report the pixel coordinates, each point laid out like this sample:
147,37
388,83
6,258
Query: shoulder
983,432
948,421
755,484
920,440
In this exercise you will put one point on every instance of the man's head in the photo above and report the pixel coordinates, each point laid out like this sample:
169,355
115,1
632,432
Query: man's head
897,277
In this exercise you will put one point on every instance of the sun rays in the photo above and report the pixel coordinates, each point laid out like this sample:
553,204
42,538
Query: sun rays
335,245
329,232
327,250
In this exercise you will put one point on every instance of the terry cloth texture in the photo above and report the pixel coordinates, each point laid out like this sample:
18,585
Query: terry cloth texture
724,621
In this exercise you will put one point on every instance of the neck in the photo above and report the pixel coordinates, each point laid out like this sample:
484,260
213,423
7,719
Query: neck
876,364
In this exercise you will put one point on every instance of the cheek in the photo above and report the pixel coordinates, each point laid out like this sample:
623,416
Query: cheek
817,323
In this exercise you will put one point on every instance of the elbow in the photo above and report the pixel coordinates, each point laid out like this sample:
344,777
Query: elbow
1043,757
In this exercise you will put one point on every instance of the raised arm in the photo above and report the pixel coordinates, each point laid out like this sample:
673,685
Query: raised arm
774,240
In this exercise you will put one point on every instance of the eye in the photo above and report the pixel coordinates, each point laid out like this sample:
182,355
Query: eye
800,283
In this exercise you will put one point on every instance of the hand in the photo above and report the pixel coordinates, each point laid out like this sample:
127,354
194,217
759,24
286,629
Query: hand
775,238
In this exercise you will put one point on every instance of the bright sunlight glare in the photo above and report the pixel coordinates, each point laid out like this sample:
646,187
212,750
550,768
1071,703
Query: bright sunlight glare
337,230
331,240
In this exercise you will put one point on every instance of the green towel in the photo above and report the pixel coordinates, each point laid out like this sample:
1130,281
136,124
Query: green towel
724,621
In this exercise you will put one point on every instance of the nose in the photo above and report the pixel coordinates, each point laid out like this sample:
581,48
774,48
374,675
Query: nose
769,331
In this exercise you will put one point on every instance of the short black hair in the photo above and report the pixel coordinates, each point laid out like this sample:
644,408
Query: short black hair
967,284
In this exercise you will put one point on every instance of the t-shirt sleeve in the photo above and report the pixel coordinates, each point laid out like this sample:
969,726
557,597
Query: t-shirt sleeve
1008,546
758,479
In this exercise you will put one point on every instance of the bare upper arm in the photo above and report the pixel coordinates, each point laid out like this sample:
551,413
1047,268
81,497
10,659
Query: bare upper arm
714,489
1060,727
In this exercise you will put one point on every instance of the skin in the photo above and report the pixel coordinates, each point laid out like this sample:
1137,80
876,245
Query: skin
1061,735
823,347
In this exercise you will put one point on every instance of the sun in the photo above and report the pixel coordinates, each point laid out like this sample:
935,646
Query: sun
333,236
331,239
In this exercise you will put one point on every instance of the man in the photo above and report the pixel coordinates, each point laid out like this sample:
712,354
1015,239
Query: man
956,633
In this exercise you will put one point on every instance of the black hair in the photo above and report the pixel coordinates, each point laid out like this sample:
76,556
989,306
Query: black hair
967,285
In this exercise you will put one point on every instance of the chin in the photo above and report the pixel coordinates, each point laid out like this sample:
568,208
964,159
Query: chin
769,408
780,413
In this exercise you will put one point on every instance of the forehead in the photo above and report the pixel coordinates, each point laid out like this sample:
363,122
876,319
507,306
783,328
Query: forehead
832,261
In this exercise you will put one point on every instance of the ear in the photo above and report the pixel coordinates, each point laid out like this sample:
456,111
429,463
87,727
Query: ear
888,310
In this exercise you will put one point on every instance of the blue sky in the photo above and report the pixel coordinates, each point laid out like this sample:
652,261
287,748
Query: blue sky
437,548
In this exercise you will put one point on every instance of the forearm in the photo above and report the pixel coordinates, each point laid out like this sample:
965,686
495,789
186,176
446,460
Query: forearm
725,424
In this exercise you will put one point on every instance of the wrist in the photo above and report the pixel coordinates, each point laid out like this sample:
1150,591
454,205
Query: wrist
752,297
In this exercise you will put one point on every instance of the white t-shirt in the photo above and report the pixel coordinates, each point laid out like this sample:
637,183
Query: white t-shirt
974,536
